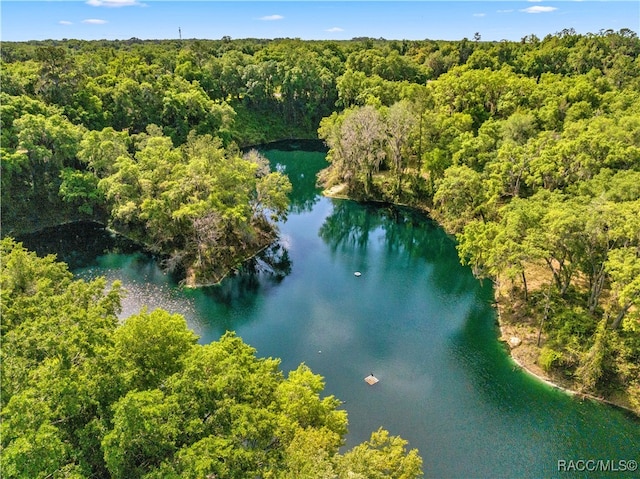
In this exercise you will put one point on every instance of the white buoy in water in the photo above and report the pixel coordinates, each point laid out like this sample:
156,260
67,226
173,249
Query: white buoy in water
357,273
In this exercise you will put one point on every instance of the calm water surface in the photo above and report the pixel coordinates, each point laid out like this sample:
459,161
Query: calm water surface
415,318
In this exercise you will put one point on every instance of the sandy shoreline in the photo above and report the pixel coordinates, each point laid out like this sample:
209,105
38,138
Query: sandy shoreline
520,340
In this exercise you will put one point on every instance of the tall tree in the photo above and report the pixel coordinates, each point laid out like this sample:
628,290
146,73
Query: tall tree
363,136
623,266
460,197
400,124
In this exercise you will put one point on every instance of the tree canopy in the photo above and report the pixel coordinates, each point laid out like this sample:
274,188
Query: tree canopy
87,395
528,152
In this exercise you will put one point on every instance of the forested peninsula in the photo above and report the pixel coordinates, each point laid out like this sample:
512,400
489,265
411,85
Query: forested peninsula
528,152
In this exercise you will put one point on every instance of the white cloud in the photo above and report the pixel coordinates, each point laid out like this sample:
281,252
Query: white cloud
539,9
65,22
94,21
479,14
505,11
534,0
114,3
270,18
334,29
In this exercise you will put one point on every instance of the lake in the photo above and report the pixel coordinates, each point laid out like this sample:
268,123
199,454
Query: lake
415,318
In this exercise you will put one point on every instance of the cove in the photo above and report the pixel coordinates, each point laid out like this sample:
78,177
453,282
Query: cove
415,318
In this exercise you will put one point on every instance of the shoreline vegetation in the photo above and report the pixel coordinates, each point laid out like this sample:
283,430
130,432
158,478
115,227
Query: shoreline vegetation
524,353
518,337
527,152
88,395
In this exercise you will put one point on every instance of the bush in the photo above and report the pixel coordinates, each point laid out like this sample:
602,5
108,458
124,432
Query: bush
549,358
572,323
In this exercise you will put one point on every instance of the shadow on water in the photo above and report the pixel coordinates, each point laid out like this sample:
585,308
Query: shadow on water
406,235
300,161
90,250
554,425
415,317
260,273
411,275
78,244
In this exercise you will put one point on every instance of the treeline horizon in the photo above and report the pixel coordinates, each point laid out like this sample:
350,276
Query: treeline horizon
227,38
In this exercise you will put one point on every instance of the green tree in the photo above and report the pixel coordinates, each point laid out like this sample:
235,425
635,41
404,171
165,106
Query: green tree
298,398
382,456
55,334
362,144
145,428
595,362
400,124
557,237
504,249
228,395
460,197
50,143
100,150
80,188
31,445
623,267
152,347
349,86
310,455
57,75
186,107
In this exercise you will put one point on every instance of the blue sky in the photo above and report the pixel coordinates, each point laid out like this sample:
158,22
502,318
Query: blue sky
412,20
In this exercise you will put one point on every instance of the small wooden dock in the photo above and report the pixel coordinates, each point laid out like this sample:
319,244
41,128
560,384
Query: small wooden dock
371,380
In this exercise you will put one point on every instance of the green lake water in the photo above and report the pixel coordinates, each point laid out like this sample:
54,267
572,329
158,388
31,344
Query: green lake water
415,318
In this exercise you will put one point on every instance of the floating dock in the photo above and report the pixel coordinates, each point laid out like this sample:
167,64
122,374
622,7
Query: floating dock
371,380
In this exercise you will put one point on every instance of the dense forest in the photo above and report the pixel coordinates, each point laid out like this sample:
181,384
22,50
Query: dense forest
528,152
530,155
